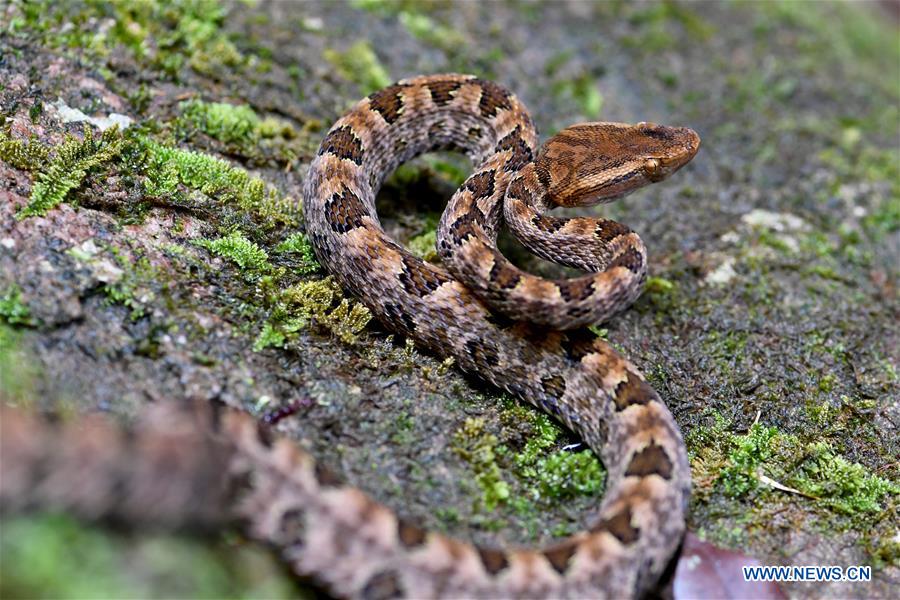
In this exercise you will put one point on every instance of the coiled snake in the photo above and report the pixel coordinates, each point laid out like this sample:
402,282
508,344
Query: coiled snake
530,345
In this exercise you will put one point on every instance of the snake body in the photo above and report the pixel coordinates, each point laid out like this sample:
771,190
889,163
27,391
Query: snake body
573,375
218,464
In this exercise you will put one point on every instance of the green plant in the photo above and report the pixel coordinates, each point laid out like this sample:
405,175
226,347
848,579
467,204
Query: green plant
69,167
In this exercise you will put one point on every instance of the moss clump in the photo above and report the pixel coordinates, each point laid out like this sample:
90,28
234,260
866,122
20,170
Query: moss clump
320,302
245,133
239,250
166,167
568,474
552,475
425,28
740,476
187,32
298,243
38,561
814,469
275,336
539,474
30,155
163,36
360,65
228,123
13,310
841,485
69,167
424,245
478,448
18,368
584,90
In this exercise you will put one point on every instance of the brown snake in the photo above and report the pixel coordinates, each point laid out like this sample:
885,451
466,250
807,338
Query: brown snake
221,465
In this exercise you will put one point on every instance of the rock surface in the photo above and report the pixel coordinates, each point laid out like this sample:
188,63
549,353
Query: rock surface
770,324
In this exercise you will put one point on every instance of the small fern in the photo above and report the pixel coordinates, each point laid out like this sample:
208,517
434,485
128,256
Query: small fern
69,167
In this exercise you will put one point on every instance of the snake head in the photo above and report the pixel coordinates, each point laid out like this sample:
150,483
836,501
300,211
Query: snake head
595,162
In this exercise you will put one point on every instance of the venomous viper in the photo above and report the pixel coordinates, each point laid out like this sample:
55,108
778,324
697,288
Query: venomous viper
207,465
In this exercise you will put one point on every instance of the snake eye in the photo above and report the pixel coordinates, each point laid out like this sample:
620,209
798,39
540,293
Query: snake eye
652,168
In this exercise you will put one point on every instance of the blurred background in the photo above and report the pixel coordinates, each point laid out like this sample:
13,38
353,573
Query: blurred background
165,260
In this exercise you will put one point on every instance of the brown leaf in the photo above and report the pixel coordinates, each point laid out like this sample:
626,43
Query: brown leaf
707,572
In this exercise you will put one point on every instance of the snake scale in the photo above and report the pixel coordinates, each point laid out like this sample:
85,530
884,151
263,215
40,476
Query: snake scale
209,464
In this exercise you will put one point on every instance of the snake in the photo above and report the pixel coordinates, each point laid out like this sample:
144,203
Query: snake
205,465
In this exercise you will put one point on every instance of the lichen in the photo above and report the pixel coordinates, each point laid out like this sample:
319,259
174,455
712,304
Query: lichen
68,168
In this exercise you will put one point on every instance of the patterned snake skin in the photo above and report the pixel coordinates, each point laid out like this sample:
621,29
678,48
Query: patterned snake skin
208,465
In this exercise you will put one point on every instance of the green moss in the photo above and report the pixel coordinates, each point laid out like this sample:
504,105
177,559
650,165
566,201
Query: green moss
424,245
271,336
30,155
740,475
584,91
13,310
320,302
38,561
164,36
551,475
736,464
403,430
656,23
360,65
18,368
228,123
826,382
239,250
840,485
187,32
478,447
166,167
68,168
245,133
567,474
425,28
542,435
298,243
